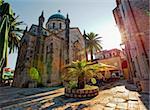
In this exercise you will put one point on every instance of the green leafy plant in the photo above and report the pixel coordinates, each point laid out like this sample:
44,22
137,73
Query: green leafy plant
88,87
34,74
93,80
79,71
72,84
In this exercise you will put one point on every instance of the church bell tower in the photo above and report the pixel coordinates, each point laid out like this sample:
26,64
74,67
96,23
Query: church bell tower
67,22
41,21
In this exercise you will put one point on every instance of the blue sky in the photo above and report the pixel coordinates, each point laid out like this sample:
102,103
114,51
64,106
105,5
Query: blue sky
90,15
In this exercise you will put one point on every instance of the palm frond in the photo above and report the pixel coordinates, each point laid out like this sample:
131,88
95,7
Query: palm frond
15,34
93,42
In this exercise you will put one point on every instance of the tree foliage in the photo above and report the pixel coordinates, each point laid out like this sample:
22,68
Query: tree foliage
6,17
93,42
15,34
9,33
9,30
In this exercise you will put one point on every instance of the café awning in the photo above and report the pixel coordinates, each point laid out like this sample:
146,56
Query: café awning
105,67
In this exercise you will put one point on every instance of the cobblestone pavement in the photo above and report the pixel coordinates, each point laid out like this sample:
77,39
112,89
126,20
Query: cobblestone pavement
114,96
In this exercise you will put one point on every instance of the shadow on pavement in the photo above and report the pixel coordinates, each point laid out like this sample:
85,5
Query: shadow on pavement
144,97
25,96
65,101
112,84
79,107
130,87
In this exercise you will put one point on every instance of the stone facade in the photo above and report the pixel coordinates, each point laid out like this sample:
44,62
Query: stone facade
48,50
132,18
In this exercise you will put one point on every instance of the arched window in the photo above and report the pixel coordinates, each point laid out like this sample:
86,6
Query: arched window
101,56
114,54
53,25
59,25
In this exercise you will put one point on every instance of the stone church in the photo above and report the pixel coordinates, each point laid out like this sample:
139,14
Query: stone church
48,50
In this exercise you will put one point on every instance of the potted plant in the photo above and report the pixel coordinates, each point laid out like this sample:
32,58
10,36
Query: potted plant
75,75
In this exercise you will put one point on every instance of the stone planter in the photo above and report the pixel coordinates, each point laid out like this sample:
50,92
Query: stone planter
144,86
81,93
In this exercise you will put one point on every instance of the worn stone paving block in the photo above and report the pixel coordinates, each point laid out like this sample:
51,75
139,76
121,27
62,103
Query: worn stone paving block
133,96
105,101
97,107
112,105
117,100
121,106
118,95
108,108
133,109
133,104
122,95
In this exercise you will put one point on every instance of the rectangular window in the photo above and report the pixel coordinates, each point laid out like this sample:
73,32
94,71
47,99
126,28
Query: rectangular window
60,25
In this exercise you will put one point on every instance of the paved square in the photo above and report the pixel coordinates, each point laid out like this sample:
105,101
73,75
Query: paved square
113,96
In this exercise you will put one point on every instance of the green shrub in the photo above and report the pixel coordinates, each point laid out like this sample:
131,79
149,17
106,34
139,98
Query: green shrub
34,74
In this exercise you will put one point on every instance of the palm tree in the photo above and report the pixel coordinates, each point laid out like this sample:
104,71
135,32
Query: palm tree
15,34
93,43
80,71
6,17
1,2
9,33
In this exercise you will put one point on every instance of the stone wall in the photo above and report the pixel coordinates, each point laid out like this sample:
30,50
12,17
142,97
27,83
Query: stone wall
57,60
134,27
24,61
135,22
75,35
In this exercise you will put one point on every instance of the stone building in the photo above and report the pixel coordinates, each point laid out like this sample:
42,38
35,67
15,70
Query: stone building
48,50
132,19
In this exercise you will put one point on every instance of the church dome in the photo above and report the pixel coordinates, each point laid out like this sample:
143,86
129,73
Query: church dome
57,16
